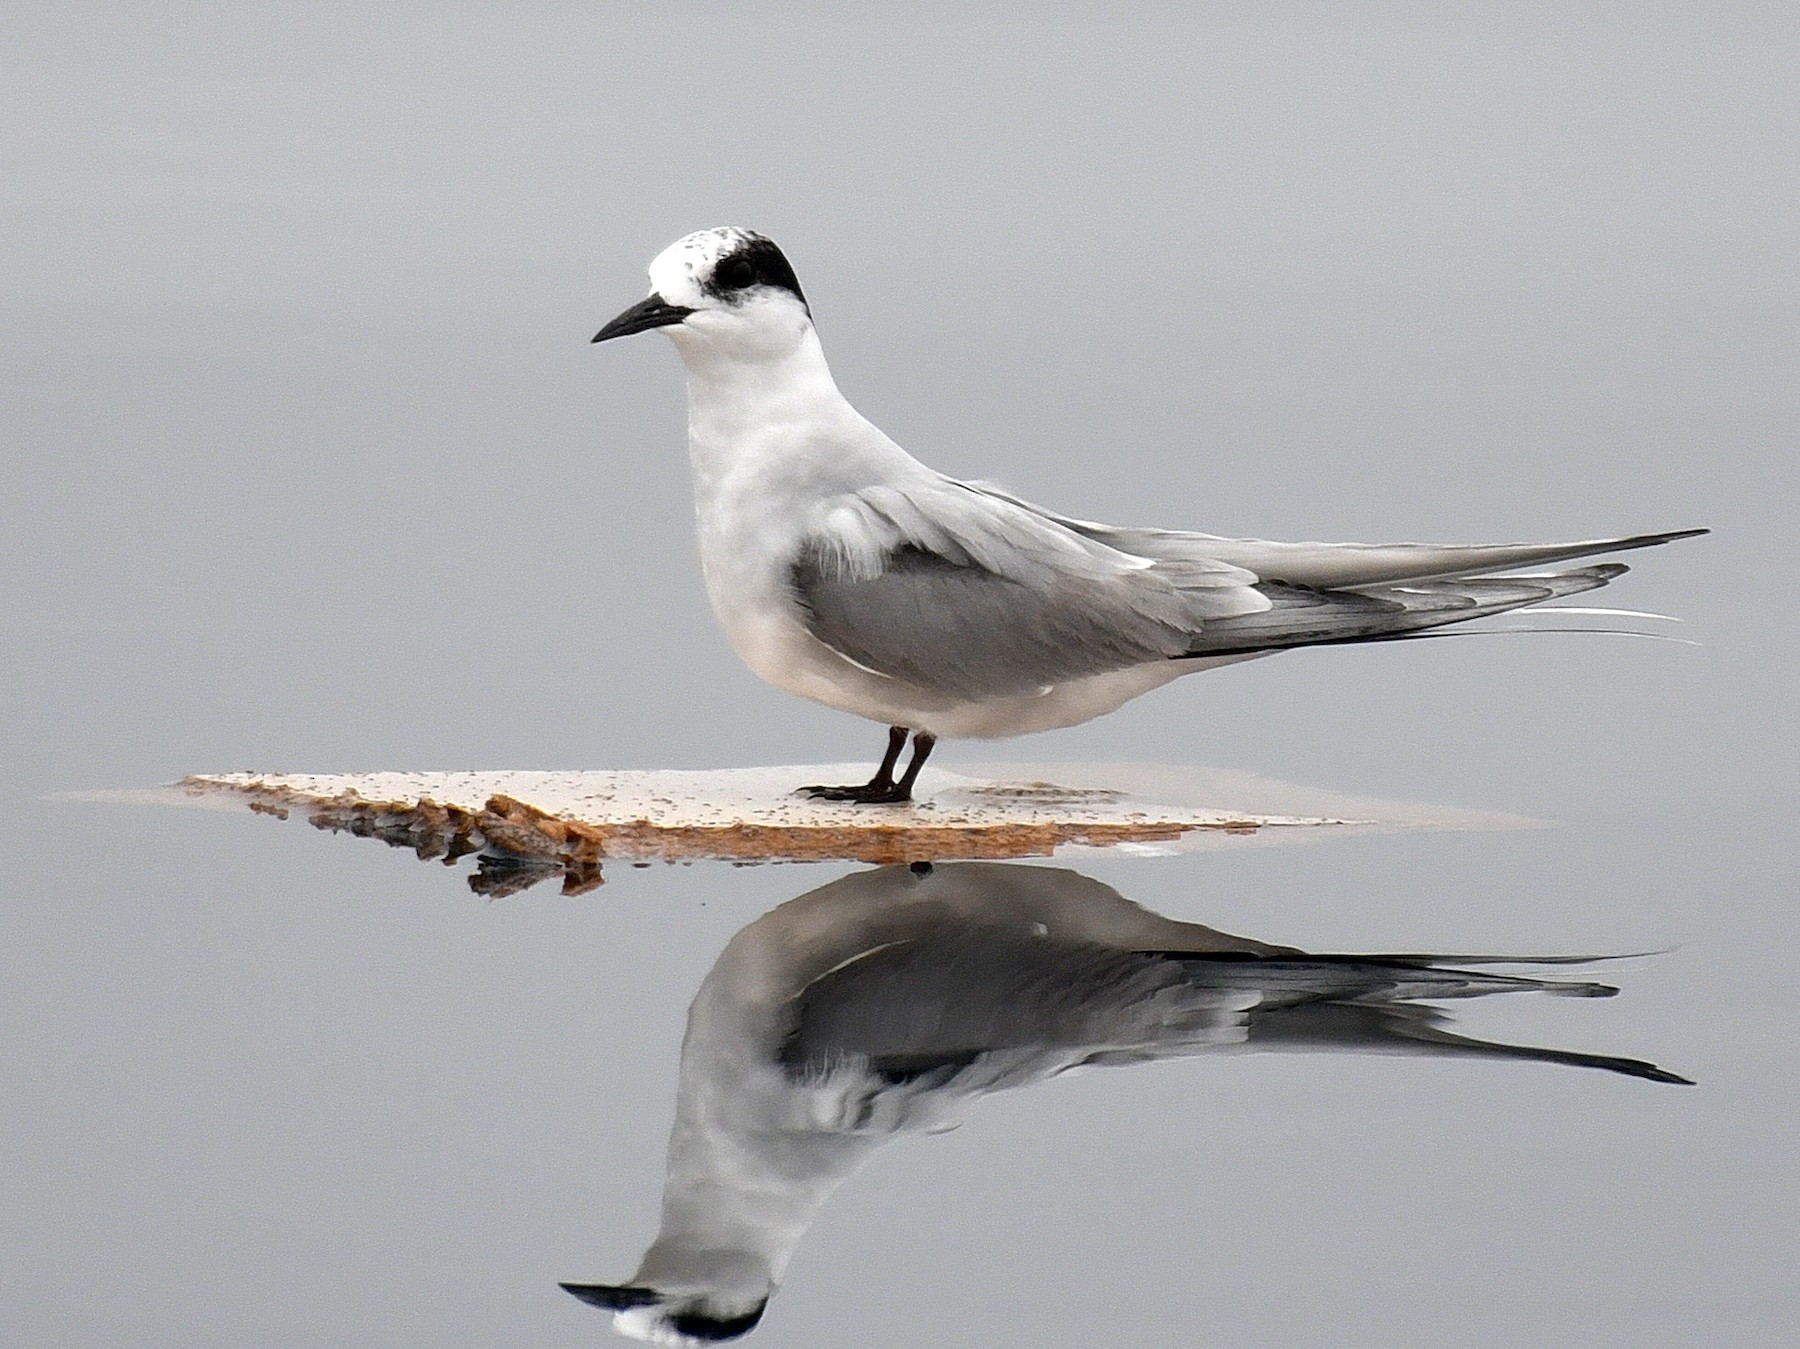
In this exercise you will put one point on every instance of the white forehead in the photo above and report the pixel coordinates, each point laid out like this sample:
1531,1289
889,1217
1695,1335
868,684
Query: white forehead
677,266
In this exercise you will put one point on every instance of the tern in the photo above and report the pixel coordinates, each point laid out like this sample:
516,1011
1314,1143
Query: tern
845,571
887,1003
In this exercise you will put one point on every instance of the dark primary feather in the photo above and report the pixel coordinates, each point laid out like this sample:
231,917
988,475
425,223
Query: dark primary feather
1338,566
1371,978
1304,617
1356,565
1417,1028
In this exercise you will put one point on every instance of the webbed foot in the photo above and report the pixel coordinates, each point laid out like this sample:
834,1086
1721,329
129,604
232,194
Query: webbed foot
882,789
876,793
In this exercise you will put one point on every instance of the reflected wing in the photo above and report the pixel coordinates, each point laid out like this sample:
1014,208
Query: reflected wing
1414,1029
948,999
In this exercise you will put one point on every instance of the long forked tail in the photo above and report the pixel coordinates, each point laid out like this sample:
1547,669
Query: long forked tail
1301,616
1386,1002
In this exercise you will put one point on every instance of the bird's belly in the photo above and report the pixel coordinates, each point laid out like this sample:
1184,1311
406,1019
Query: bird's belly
790,658
780,650
765,626
1067,704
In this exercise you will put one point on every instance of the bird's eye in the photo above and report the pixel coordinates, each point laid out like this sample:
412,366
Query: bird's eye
734,273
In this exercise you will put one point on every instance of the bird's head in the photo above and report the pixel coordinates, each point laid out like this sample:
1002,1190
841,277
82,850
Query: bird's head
689,1319
725,291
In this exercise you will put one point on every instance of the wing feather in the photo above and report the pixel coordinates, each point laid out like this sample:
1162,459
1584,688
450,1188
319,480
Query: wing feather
965,593
1336,565
973,633
967,590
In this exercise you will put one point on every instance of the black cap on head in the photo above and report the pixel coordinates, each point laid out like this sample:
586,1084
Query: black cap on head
690,1322
700,1326
755,262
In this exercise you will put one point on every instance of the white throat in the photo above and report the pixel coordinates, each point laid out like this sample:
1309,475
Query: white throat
738,387
767,426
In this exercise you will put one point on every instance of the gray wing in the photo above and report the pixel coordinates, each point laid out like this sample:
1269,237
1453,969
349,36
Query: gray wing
947,999
1338,565
962,589
959,591
943,1003
970,632
975,633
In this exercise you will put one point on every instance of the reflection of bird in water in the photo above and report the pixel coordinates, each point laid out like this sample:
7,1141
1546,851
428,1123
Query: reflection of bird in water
886,1002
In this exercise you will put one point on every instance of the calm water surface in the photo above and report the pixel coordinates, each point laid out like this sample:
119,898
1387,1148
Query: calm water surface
279,1087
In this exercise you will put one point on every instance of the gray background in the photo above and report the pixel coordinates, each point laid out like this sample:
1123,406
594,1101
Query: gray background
309,466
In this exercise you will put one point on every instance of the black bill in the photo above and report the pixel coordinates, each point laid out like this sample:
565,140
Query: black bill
654,312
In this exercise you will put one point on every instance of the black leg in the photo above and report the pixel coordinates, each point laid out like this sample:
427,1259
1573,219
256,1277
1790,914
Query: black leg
882,789
922,746
896,743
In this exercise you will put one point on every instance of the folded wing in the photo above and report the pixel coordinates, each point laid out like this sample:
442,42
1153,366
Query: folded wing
973,596
970,592
1339,565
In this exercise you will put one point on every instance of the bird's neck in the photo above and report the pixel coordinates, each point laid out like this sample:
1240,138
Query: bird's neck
743,401
749,1162
735,1206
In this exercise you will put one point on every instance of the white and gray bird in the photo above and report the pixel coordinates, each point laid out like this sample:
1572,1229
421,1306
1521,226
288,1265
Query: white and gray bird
887,1003
846,571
